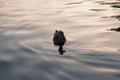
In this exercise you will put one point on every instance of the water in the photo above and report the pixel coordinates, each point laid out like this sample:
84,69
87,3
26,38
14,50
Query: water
27,51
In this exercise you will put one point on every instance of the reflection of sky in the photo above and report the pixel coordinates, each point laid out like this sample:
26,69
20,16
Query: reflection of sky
27,51
80,22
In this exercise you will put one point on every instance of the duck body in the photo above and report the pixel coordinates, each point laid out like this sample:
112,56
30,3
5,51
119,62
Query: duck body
59,38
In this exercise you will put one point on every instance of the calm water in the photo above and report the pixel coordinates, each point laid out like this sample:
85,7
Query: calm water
27,51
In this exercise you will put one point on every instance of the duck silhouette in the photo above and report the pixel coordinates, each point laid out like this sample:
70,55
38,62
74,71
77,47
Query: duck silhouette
59,40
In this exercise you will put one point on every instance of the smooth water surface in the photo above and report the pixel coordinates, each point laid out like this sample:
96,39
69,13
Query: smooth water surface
27,51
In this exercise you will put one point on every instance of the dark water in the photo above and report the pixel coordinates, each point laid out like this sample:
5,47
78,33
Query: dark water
27,51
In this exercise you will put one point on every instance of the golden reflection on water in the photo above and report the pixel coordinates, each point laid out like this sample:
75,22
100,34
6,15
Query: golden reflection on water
79,22
17,33
107,70
27,50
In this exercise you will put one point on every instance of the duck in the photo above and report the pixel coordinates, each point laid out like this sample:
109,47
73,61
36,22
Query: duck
59,39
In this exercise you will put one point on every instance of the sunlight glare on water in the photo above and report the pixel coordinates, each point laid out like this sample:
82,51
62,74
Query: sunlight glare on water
27,51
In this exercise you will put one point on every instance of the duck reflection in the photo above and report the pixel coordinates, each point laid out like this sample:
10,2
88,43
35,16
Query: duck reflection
59,40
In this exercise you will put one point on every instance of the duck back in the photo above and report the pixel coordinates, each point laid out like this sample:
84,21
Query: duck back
59,38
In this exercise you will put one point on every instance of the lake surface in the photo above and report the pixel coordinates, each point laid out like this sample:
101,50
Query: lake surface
27,51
